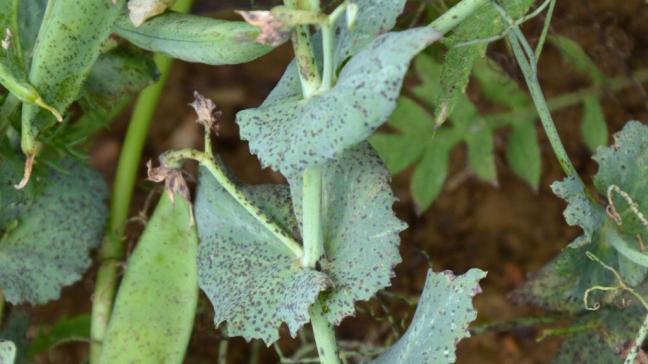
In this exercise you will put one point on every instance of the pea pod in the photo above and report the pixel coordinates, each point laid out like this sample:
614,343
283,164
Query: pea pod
68,44
194,38
156,302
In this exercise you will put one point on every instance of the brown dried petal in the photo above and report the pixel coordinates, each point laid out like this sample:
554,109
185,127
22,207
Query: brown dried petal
273,30
206,112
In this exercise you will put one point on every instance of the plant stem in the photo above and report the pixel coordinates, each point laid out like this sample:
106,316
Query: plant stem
112,248
324,335
456,15
641,337
312,207
527,65
2,306
174,158
222,351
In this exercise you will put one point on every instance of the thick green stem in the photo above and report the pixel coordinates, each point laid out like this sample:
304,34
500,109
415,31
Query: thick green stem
456,15
112,248
174,159
312,207
324,335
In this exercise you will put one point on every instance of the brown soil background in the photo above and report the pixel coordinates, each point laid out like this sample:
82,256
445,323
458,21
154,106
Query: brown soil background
508,230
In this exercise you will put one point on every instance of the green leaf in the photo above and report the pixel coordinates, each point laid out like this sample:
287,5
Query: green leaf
254,282
194,38
66,329
625,165
612,330
401,150
523,152
431,173
359,227
441,320
459,60
576,56
593,126
481,152
586,348
30,15
293,134
155,306
7,352
141,10
68,44
117,77
428,71
47,235
498,87
581,209
374,18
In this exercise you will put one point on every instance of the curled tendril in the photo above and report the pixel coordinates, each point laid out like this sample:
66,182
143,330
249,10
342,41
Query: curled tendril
634,207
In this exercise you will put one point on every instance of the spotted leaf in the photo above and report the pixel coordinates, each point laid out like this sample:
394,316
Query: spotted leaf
7,352
47,234
292,134
254,282
440,321
360,230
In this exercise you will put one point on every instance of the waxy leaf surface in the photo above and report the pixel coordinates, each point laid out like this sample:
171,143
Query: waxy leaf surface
359,227
254,282
48,232
292,134
7,352
441,320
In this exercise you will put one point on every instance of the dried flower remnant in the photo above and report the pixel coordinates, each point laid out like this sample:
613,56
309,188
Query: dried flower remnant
173,180
273,30
29,164
206,111
140,11
6,41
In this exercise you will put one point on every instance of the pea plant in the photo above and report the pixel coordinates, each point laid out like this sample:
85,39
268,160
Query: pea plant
307,251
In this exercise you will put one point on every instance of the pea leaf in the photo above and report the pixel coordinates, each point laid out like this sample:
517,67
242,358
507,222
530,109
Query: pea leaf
440,321
64,330
430,175
561,284
194,38
360,230
374,18
523,152
459,60
292,134
593,126
625,165
254,282
30,17
402,149
43,249
612,330
156,303
7,352
576,56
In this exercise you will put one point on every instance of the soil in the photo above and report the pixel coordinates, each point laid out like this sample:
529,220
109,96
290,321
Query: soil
508,230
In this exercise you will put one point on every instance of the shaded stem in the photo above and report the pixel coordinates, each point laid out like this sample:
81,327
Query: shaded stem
455,15
174,159
2,306
527,65
324,335
222,351
545,29
112,248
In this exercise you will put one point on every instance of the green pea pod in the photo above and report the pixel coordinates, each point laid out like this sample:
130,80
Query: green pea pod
194,38
12,72
68,44
156,302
